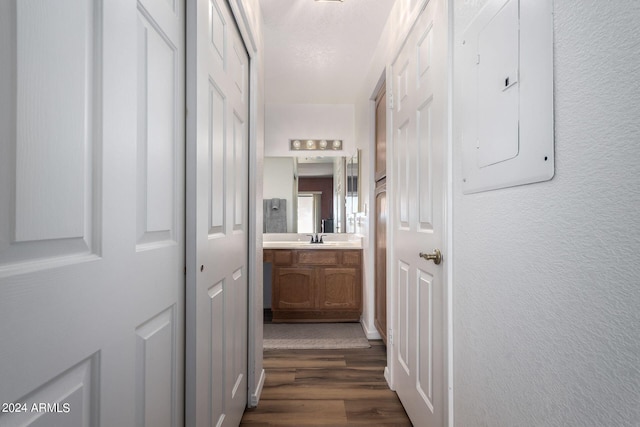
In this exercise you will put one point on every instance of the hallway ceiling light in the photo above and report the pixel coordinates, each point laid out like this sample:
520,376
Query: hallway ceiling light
314,145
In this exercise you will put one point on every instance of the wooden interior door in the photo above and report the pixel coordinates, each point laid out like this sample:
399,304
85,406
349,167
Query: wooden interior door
217,266
419,123
91,213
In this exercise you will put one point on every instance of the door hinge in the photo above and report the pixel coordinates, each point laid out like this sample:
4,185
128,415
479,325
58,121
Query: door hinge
390,336
391,101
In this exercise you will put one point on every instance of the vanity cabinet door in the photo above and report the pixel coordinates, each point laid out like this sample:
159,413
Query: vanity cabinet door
293,288
339,288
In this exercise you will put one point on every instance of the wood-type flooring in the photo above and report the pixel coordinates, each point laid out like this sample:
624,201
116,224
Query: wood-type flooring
326,387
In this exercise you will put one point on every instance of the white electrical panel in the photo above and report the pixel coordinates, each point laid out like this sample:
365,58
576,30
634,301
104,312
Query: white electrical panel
507,90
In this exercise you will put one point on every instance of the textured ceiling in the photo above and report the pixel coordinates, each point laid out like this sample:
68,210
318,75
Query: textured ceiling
318,52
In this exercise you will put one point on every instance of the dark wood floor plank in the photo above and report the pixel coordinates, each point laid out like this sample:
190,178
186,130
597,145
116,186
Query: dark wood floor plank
329,391
298,412
366,359
326,387
304,361
369,412
279,377
340,375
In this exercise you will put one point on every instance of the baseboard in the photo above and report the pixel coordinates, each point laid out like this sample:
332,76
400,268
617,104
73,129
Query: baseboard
255,396
387,376
371,334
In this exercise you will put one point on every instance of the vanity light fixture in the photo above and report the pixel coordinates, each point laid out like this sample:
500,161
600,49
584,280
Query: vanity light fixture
314,145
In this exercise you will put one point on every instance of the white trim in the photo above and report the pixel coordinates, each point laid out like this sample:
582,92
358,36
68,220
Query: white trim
371,334
387,376
246,29
448,229
255,311
254,245
255,397
391,300
368,322
191,200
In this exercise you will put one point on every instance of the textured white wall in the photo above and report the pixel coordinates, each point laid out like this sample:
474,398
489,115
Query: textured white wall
312,121
546,276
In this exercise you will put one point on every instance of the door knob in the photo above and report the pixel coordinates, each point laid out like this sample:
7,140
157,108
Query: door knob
436,256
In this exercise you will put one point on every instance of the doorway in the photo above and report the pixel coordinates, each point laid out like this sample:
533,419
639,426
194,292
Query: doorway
309,205
381,213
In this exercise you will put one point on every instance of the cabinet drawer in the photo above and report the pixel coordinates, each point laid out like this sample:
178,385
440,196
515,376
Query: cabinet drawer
351,257
282,257
319,257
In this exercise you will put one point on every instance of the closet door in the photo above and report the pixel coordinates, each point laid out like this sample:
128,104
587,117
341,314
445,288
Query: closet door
218,185
91,213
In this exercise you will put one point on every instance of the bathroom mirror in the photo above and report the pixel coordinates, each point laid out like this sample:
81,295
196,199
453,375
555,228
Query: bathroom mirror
354,199
311,194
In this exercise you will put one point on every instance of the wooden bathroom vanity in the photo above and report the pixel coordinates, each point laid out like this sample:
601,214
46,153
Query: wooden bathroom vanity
316,285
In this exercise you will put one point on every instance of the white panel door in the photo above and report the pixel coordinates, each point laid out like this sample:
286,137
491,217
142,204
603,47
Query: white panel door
218,189
91,213
419,123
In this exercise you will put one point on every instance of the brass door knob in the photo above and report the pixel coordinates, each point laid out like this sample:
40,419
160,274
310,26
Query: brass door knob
436,256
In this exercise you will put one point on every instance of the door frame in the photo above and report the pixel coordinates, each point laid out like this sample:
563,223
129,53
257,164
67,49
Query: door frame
253,41
248,33
447,249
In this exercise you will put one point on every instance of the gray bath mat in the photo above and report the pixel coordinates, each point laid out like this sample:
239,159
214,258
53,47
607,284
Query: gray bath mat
314,336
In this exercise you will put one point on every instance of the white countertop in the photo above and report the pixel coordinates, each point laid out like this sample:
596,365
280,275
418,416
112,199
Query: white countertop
302,241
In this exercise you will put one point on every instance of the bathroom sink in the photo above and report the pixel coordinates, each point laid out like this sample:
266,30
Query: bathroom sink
347,244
